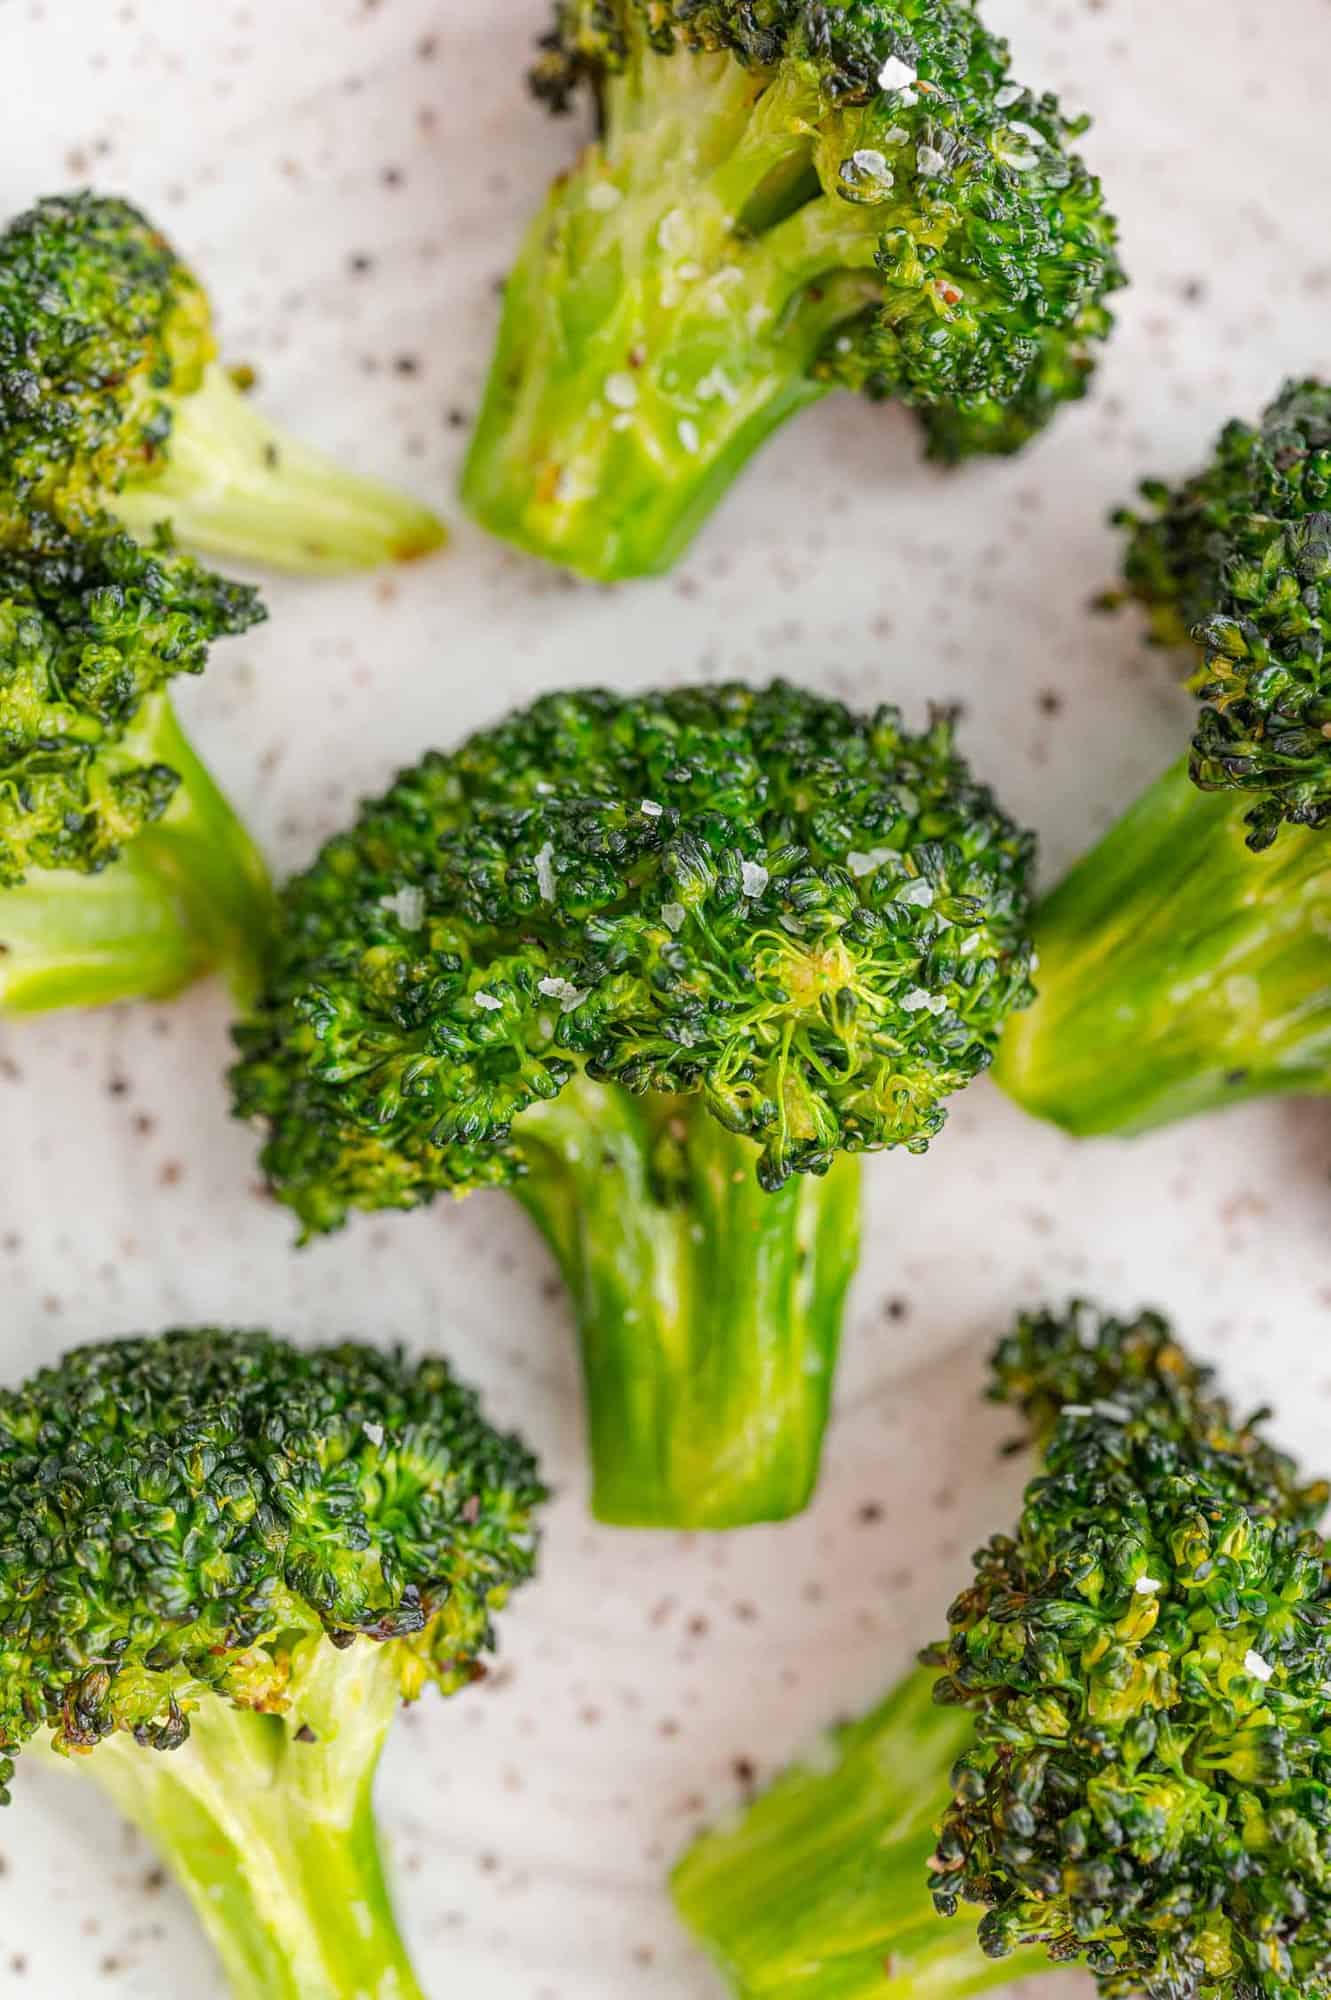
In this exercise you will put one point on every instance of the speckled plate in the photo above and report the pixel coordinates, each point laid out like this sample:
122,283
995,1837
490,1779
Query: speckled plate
351,175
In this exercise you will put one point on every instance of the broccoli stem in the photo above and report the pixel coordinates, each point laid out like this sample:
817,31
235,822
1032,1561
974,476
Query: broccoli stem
663,318
821,1888
229,481
273,1839
187,895
709,1313
1178,970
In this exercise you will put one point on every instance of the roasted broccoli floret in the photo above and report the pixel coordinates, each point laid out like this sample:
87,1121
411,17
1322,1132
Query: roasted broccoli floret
111,398
123,871
1183,961
1238,560
1124,1761
782,199
224,1564
665,966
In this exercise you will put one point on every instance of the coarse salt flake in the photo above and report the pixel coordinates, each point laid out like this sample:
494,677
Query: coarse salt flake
407,904
917,893
1146,1586
754,877
651,808
488,1002
565,992
673,916
545,872
896,74
374,1432
621,391
1254,1664
929,160
864,863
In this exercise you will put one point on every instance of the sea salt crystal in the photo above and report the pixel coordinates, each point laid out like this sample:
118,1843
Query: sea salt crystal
488,1002
754,877
929,160
407,904
621,391
1260,1669
673,915
652,810
545,872
895,75
565,992
1146,1586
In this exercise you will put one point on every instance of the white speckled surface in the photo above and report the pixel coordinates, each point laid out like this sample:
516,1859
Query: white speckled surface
531,1821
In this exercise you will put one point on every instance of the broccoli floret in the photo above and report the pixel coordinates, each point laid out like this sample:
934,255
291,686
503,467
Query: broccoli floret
666,966
111,398
123,871
1183,960
224,1564
1238,560
782,200
1123,1758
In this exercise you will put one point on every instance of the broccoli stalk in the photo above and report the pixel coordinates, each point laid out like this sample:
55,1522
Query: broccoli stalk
188,895
112,401
1183,960
229,481
1178,971
771,212
264,1553
271,1832
708,1312
820,1891
124,873
664,966
1123,1760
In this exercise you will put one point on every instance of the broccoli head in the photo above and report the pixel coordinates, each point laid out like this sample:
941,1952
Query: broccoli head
781,200
111,398
1123,1761
1238,560
1183,959
123,871
1147,1666
224,1564
718,941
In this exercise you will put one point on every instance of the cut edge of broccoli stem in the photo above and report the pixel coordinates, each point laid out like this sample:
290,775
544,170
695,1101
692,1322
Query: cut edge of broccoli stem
231,483
1178,972
708,1311
188,895
819,1888
267,1824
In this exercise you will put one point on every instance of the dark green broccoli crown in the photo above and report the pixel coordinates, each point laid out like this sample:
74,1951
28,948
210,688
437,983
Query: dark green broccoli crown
180,1516
813,919
1149,1667
90,631
101,326
992,247
1238,558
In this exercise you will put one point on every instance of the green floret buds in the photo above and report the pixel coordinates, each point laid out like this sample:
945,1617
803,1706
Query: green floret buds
224,1564
112,399
1147,1665
1238,560
1182,961
652,960
780,201
123,871
1124,1761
